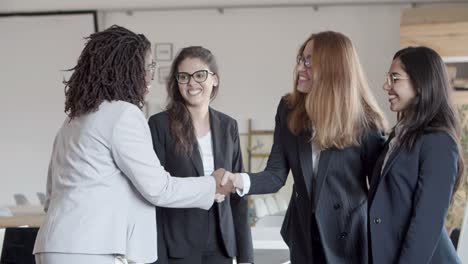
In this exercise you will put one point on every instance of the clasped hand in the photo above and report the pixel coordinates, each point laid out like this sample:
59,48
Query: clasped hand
226,183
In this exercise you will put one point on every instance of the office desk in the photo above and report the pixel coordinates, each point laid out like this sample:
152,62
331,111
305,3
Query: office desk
32,220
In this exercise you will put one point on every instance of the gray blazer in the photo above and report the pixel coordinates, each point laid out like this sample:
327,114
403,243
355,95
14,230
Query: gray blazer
103,181
339,200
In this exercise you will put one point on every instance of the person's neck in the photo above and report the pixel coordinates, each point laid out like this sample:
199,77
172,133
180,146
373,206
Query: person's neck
201,119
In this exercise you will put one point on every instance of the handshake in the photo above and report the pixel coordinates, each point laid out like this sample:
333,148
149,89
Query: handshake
226,183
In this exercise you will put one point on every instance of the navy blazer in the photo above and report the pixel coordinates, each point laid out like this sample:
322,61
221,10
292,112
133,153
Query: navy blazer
340,194
408,203
182,230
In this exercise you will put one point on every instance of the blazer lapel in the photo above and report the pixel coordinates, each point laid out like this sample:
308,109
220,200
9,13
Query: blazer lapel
390,161
305,156
377,171
380,174
322,172
218,137
196,160
376,174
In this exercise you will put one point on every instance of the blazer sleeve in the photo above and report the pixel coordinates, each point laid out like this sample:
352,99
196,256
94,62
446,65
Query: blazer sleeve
48,187
133,153
438,171
276,172
49,179
239,207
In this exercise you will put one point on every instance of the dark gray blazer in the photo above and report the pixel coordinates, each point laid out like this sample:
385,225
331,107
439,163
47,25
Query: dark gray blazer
340,194
408,203
183,230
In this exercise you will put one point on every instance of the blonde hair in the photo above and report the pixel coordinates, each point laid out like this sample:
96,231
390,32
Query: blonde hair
340,106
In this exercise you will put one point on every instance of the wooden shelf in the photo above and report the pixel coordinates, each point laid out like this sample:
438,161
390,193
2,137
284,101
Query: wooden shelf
460,97
442,28
260,132
445,29
22,220
251,133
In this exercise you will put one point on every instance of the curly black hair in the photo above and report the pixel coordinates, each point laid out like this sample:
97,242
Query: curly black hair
110,67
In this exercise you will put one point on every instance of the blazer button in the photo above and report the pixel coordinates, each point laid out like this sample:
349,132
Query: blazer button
377,220
344,235
337,206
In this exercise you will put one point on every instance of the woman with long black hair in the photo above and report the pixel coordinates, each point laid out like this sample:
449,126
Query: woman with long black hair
421,166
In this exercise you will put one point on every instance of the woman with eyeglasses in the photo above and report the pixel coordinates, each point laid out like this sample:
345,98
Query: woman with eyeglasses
421,167
191,138
328,134
104,178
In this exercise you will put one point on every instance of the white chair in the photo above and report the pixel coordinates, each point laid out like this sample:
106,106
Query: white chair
20,199
5,212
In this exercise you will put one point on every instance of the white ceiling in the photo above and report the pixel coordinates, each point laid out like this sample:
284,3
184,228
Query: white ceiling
9,6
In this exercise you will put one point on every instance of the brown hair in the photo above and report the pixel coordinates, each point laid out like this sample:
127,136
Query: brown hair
340,106
181,125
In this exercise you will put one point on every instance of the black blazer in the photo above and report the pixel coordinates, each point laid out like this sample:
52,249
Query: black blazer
182,230
340,194
408,203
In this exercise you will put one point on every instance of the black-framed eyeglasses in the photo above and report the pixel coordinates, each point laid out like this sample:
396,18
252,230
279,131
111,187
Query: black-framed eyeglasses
199,76
304,61
391,78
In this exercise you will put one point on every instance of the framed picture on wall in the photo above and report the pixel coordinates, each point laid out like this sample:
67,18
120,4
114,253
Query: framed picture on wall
163,74
163,51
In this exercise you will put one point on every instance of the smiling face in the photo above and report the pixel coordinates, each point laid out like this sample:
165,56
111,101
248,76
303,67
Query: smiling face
400,89
196,94
304,69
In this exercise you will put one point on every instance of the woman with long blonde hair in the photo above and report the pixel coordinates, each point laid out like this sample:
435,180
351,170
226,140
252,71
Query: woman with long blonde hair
328,133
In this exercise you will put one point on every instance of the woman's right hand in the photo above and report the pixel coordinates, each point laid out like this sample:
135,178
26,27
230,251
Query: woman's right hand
223,189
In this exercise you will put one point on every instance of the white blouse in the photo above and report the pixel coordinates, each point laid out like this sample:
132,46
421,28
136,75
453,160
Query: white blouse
205,146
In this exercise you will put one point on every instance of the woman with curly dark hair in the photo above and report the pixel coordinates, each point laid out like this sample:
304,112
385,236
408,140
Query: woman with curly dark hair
104,176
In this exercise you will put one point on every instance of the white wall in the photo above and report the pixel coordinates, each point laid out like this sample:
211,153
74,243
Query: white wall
256,49
33,50
60,5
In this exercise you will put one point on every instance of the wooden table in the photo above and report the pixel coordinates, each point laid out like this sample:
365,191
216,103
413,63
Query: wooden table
32,220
